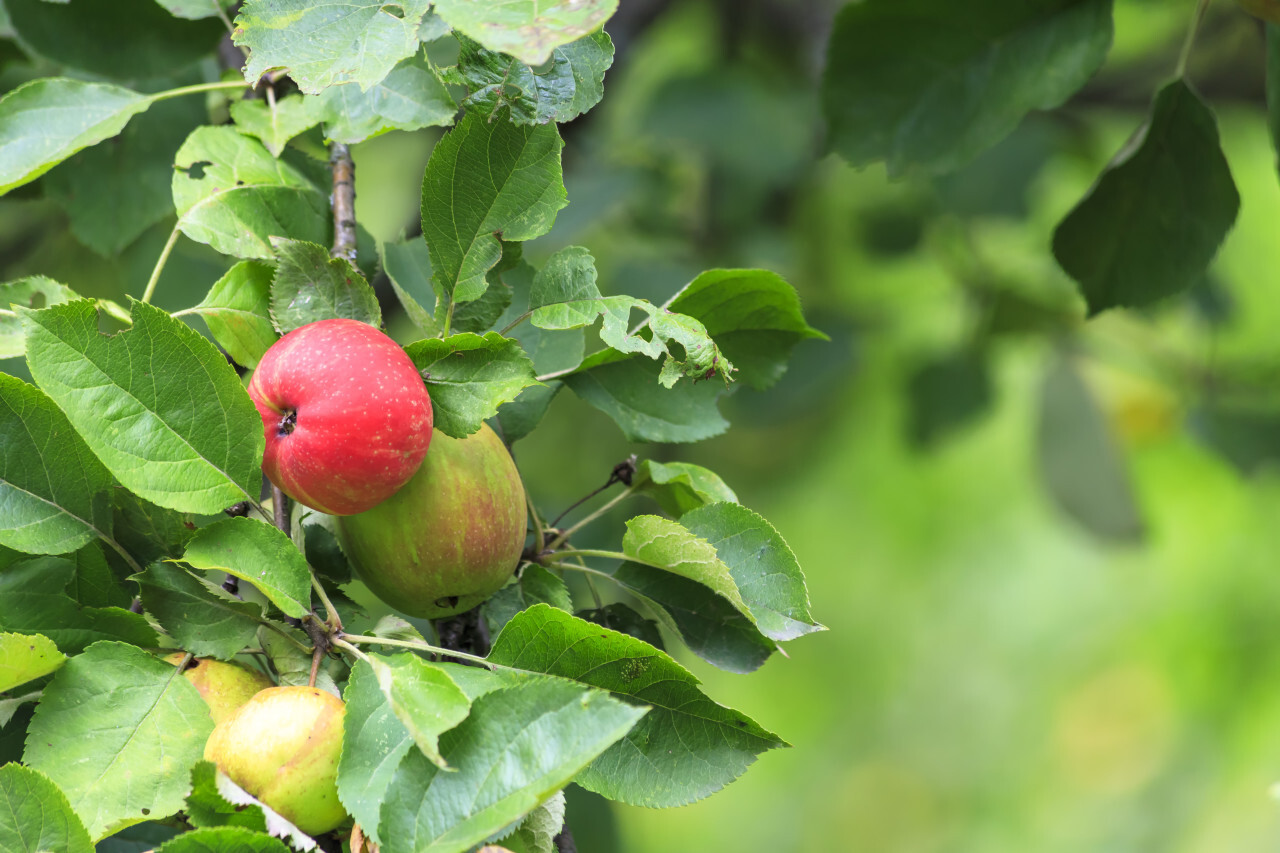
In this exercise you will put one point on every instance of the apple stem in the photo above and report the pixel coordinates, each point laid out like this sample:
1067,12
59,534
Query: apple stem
160,262
1185,53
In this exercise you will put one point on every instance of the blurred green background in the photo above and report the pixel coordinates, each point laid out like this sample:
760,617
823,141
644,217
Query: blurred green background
1006,668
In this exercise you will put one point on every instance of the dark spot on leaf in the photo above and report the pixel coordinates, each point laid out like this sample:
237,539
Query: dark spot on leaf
196,170
146,811
394,10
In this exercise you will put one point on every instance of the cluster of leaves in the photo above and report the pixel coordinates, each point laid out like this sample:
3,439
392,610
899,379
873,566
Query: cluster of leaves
118,461
928,88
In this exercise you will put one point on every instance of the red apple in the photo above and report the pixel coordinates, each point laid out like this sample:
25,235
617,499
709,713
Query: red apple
346,415
282,746
451,537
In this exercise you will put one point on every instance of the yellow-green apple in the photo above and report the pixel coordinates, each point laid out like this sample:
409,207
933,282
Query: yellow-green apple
223,686
346,415
451,537
282,746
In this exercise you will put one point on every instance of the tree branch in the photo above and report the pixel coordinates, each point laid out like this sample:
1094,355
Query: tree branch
343,202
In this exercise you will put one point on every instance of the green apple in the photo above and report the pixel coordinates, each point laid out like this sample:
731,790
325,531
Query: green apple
1267,10
282,746
451,537
223,686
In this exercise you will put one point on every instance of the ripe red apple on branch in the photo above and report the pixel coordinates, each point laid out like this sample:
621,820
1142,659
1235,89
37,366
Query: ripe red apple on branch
346,415
451,537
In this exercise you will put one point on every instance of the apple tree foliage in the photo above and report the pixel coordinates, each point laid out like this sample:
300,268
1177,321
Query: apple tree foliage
118,462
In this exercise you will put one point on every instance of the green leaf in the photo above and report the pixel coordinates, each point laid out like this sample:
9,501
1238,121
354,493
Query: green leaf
538,831
54,494
196,9
324,554
1152,223
44,122
408,98
113,193
26,657
754,316
35,814
686,748
237,311
233,195
619,617
33,600
763,567
931,83
346,41
1273,83
573,84
157,403
423,697
529,30
310,285
96,583
518,747
292,663
946,394
680,486
147,531
122,40
408,266
536,585
523,414
31,292
207,807
670,546
223,839
469,376
485,179
374,742
258,553
204,621
117,713
1079,459
276,124
709,625
138,838
628,391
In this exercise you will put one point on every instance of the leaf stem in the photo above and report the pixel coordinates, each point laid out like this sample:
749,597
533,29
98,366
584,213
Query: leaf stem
1185,53
617,499
5,312
591,552
587,570
195,309
539,534
119,549
422,647
516,322
200,87
343,644
160,262
556,374
267,623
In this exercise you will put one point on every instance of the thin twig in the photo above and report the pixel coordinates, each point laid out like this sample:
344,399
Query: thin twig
422,647
160,262
1185,54
280,510
563,537
199,87
5,312
344,202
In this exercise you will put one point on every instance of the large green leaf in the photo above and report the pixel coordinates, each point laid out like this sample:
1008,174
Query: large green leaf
409,98
536,585
158,404
26,657
54,493
35,816
1080,461
669,545
374,742
1152,223
202,619
196,9
629,392
687,747
147,531
680,486
256,552
237,311
423,697
34,600
310,285
116,713
573,84
518,747
931,83
326,42
485,179
408,266
223,839
231,193
469,376
44,122
207,807
529,30
121,40
754,316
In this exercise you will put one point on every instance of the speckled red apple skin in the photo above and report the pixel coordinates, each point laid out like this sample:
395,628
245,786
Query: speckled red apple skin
363,416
